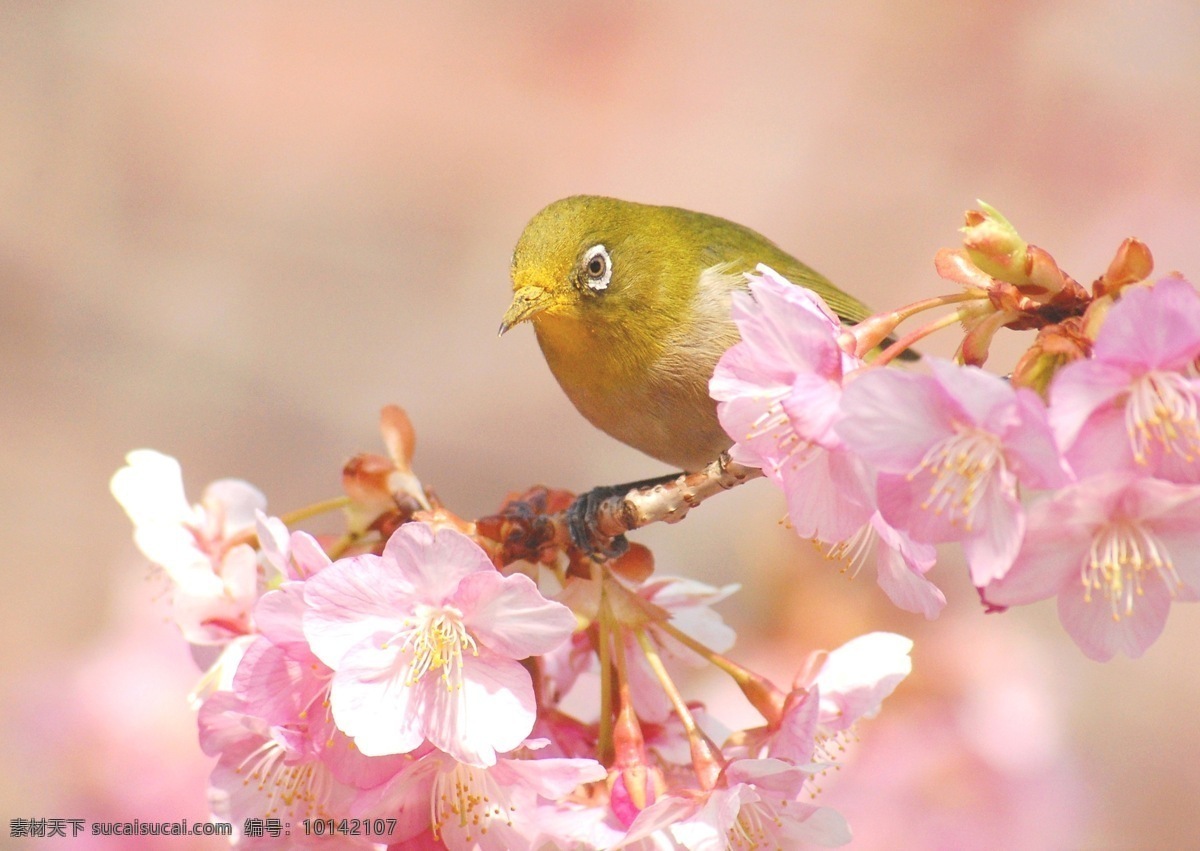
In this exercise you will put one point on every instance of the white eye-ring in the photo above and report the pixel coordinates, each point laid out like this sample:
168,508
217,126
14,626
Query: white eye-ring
597,267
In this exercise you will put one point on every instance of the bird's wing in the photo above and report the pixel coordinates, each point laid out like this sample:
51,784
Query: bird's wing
733,259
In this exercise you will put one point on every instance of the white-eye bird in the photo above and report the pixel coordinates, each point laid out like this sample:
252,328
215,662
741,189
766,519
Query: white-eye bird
631,306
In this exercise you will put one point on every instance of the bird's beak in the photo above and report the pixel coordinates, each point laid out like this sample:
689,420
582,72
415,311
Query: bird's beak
527,302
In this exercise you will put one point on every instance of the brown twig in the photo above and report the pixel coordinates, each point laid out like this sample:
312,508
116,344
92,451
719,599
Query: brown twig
669,502
534,525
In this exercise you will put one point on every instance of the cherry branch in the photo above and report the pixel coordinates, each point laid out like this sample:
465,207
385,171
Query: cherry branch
669,502
534,525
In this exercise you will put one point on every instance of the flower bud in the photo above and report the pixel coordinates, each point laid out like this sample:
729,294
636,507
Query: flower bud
994,244
1055,347
1131,264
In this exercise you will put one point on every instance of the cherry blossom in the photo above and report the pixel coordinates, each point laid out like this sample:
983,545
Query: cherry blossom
1116,551
951,448
213,574
504,806
778,393
756,804
424,642
1135,404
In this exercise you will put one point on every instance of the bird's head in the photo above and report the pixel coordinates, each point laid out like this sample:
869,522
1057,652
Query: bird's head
588,259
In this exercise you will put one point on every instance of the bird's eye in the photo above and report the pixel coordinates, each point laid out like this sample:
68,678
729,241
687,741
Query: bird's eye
597,265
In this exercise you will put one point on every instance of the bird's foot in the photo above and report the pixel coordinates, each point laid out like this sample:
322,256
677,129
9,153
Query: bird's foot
584,528
582,518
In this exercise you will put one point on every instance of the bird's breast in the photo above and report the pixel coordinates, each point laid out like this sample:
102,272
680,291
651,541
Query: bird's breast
648,391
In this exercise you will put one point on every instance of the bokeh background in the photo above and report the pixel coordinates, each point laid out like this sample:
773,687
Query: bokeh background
232,231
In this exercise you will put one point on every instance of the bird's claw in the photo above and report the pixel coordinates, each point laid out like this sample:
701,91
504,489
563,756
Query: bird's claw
584,529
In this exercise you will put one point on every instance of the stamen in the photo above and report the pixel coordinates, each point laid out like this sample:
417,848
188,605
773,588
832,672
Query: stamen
754,827
853,551
1122,554
437,637
797,450
961,466
298,790
469,798
1162,409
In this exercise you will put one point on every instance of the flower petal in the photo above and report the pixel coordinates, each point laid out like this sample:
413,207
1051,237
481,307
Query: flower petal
510,615
355,600
373,704
435,561
493,711
893,417
1100,636
1152,327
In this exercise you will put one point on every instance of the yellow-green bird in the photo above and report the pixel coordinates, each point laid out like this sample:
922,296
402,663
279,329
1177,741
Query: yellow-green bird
631,306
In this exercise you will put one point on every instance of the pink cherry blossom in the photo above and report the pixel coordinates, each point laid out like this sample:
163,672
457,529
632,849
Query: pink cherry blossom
280,681
1115,550
835,691
268,772
778,393
689,604
424,642
951,448
500,807
295,555
214,579
757,803
900,565
855,678
1135,404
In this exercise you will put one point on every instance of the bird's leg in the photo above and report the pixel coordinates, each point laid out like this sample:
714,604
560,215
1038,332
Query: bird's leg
581,517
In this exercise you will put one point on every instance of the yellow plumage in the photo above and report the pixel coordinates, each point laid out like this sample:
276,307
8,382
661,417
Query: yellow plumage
631,306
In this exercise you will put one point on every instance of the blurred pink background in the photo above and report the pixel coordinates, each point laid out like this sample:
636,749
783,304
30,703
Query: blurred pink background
233,231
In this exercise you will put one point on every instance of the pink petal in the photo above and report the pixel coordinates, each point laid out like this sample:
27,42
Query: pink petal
905,586
1048,561
793,742
998,525
307,556
277,686
812,824
800,297
900,504
358,599
1102,445
150,489
661,815
510,615
892,418
787,331
1172,512
813,406
350,765
1029,446
985,399
435,562
493,711
224,724
405,797
690,604
555,778
239,573
744,419
828,496
279,615
237,502
1101,637
1152,328
372,704
649,700
857,676
1079,390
